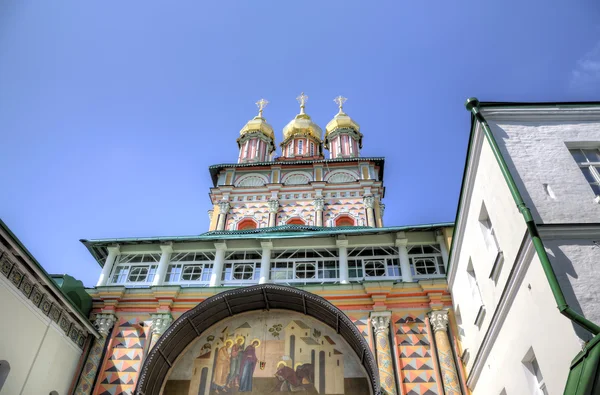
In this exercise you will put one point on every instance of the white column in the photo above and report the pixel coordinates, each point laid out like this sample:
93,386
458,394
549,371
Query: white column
163,264
343,255
273,208
217,272
113,252
223,210
369,201
441,240
265,262
319,206
404,261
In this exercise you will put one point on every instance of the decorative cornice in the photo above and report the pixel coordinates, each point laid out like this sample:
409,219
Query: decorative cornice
381,321
369,201
439,320
319,204
104,322
224,207
273,205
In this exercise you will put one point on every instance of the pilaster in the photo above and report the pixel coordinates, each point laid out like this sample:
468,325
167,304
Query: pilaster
439,324
381,326
160,323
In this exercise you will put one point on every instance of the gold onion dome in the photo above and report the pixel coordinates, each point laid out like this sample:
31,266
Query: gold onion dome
302,124
341,119
258,123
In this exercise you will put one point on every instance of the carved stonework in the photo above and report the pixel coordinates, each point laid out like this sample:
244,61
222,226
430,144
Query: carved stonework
160,322
319,204
382,208
224,207
369,201
273,205
439,320
210,214
381,322
104,322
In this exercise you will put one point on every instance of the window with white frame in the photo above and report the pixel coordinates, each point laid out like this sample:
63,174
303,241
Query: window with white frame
305,265
589,164
487,229
312,149
241,267
190,267
426,261
300,146
373,262
535,374
135,269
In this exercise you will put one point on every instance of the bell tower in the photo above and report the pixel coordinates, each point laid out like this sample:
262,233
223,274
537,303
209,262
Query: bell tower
342,135
257,139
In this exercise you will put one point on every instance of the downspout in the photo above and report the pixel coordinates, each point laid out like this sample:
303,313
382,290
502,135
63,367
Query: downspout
472,105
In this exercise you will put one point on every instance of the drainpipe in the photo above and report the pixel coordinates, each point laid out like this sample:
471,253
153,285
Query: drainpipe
472,105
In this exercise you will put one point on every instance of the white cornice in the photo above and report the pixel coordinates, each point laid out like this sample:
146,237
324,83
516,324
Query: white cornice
544,114
570,231
467,191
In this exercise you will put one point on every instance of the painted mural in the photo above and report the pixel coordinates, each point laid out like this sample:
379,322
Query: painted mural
268,353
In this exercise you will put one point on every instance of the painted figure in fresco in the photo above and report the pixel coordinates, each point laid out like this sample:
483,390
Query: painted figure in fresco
237,353
288,379
222,367
247,367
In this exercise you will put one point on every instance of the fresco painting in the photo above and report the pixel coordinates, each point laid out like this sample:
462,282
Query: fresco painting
268,353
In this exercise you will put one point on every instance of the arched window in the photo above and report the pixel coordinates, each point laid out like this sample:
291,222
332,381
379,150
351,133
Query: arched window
4,370
344,220
296,221
247,224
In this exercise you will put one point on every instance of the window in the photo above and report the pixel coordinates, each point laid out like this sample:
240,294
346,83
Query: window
190,266
426,261
344,220
475,294
535,374
374,268
300,146
192,273
139,274
488,230
306,270
243,272
312,149
4,371
589,164
305,265
246,224
296,221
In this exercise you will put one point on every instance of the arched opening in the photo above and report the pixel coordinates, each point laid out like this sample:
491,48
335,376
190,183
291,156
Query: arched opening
235,316
345,220
295,221
4,371
246,224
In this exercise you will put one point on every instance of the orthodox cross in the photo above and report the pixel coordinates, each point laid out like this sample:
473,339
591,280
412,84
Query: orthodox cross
340,100
261,104
302,99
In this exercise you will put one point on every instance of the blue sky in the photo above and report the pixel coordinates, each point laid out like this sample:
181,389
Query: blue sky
111,112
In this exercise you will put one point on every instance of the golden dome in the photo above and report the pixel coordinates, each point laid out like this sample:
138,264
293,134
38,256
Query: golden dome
341,119
302,124
258,123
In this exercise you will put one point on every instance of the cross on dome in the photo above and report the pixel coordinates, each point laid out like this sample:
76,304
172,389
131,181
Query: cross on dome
340,100
261,104
302,99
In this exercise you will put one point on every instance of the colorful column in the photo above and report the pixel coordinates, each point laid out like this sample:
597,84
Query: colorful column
265,262
439,323
113,252
319,206
369,205
381,211
160,323
103,322
273,208
381,326
223,210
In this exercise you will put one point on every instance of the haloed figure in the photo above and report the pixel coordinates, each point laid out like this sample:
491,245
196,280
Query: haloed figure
247,368
222,367
237,353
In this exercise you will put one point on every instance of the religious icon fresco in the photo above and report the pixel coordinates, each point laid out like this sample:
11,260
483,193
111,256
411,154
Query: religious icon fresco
268,353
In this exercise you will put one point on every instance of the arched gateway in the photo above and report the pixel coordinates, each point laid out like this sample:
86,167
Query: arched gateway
273,301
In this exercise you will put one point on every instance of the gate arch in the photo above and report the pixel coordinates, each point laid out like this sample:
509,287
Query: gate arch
226,304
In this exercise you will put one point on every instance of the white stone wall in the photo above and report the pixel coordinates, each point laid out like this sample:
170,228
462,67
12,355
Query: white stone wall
528,319
537,154
41,356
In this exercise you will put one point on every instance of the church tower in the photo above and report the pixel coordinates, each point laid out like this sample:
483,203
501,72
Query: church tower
300,187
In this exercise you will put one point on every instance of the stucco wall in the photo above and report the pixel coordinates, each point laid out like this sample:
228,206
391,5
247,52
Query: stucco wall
537,154
41,357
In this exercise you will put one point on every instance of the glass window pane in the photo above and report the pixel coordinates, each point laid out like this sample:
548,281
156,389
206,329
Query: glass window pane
578,155
587,172
596,189
592,154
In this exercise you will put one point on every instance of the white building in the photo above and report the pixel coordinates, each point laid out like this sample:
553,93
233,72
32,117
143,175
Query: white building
44,324
525,242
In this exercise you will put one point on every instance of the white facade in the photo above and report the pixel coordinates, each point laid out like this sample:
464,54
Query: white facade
519,329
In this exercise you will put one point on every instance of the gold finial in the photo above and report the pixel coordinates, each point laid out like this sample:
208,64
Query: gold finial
261,104
302,99
340,100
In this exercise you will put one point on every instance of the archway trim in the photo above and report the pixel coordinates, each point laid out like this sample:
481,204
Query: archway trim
226,304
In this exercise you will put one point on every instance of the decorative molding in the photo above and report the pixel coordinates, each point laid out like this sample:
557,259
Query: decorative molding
319,204
369,201
224,207
439,320
381,208
160,322
273,205
210,214
381,321
104,322
252,180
